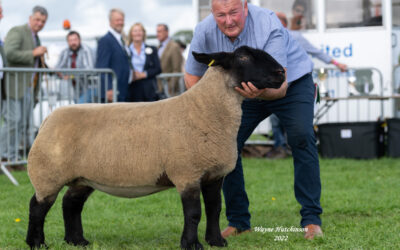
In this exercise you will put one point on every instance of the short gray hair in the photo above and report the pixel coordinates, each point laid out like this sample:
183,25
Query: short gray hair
117,10
243,1
164,25
41,10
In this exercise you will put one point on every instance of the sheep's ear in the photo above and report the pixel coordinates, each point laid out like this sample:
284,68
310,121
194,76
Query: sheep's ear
223,59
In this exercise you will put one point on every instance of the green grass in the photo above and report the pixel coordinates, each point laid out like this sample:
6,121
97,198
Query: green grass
361,202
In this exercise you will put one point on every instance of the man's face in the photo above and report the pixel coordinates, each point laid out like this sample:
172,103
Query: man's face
37,22
230,16
117,22
73,42
298,10
162,33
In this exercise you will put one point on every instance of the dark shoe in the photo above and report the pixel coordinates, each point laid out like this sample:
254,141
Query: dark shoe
312,231
20,167
233,231
277,153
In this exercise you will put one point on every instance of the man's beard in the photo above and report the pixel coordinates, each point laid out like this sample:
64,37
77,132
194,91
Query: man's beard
75,50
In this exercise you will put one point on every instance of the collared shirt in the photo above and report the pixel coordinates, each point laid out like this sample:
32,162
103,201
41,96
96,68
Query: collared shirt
84,59
262,30
36,44
162,46
309,48
138,59
117,36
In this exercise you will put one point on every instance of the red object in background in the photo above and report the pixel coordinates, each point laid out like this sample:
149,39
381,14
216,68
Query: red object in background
66,24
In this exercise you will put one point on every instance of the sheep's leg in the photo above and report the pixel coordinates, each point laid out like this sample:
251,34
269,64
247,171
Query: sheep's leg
73,202
192,213
212,200
37,214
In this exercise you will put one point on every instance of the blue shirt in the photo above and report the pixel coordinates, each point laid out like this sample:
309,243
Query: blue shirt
138,60
309,48
262,30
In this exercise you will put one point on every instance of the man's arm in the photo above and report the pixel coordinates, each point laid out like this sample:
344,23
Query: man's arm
103,59
12,48
312,50
103,56
89,63
62,60
190,80
248,90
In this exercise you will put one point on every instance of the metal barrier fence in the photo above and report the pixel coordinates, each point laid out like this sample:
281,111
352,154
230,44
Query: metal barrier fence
28,95
396,90
164,77
356,95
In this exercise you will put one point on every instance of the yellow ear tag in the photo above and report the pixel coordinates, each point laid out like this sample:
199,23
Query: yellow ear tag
211,63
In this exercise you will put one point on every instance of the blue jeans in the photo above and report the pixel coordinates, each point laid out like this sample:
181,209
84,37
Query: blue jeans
15,129
295,112
88,96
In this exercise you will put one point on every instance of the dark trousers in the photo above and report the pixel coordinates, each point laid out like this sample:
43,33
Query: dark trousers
295,112
142,91
278,132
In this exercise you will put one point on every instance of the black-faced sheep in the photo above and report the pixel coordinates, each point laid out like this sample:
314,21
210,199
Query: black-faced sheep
132,150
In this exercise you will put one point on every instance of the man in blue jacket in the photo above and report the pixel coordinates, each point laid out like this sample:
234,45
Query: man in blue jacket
113,54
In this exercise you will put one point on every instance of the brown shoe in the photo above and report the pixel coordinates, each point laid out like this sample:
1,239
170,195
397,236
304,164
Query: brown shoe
277,153
312,231
232,231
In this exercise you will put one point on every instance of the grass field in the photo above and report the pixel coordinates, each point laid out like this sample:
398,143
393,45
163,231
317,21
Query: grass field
361,201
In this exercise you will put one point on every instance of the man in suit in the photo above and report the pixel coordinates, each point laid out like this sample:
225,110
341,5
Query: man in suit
22,48
113,54
170,57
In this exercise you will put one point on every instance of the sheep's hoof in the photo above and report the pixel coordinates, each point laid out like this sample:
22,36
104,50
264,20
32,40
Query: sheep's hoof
77,242
195,245
38,246
217,241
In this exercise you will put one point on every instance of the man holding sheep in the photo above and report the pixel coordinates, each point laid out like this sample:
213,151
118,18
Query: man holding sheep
235,23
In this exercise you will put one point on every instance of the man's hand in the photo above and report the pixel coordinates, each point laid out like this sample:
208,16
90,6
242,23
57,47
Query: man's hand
274,94
110,95
39,51
251,91
342,67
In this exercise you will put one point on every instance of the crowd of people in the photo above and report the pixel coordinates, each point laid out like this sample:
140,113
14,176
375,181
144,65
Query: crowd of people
135,63
232,23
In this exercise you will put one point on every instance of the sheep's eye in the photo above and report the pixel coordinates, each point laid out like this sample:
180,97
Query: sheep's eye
244,59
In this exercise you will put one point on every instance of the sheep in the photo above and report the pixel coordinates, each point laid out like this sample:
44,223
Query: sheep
136,149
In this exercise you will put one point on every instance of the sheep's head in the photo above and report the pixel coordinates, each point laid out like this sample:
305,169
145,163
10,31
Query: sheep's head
247,65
